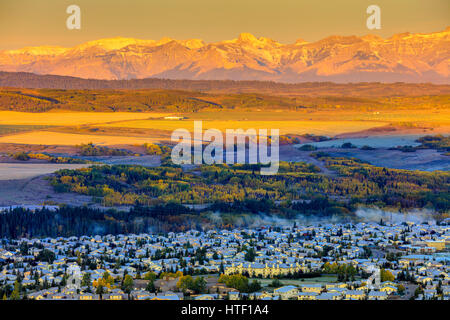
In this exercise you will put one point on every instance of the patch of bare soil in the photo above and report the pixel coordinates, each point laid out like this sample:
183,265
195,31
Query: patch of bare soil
146,161
11,148
291,153
424,160
397,130
35,148
25,170
4,158
36,190
114,131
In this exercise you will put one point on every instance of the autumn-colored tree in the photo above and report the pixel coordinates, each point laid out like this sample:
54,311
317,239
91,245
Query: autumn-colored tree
185,282
236,281
150,276
171,274
401,289
15,295
386,275
105,281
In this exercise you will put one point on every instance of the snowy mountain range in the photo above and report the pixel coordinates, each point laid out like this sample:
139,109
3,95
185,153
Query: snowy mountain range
403,57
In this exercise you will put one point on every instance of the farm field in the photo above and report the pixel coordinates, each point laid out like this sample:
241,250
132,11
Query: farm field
386,141
69,139
424,160
121,128
13,129
70,118
415,115
13,171
295,127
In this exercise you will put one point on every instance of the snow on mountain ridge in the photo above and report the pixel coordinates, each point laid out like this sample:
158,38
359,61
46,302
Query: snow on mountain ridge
402,57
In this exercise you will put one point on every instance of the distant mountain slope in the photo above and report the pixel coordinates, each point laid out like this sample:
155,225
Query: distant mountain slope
403,57
314,89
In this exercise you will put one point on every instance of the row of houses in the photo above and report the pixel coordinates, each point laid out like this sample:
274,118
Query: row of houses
410,252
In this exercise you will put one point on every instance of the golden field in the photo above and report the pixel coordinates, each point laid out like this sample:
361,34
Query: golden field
391,115
69,139
135,128
285,127
122,116
70,118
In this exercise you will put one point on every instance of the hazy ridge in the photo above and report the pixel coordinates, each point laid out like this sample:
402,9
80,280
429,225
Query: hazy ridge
362,89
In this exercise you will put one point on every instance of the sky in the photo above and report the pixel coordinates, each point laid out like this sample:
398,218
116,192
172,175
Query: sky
32,23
